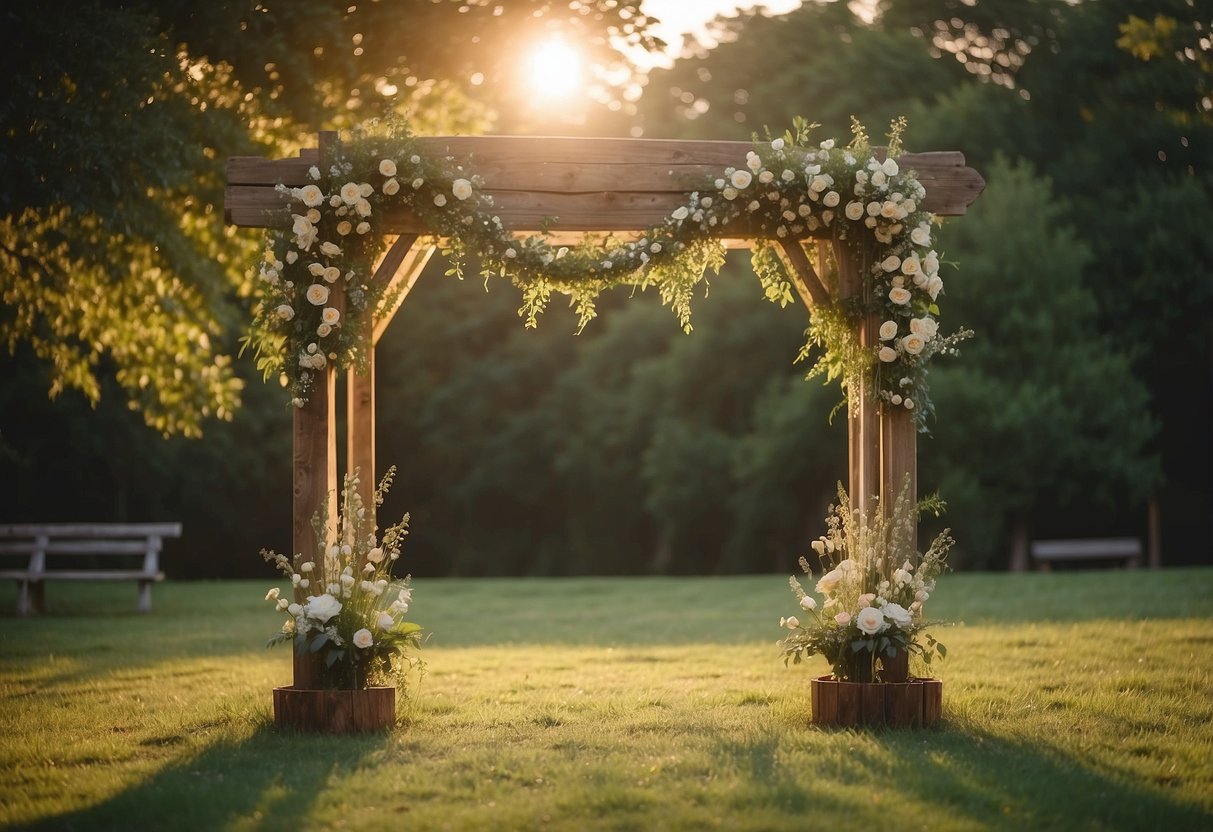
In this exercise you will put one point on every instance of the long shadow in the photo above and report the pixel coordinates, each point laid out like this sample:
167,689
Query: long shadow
269,780
963,777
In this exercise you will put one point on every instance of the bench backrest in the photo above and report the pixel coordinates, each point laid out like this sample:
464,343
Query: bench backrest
105,539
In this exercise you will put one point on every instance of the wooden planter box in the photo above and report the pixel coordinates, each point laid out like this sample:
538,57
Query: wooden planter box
334,711
917,703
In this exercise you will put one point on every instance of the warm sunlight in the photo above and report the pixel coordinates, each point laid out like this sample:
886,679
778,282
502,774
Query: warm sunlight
554,69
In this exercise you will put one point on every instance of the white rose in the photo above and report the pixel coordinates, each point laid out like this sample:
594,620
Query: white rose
330,249
365,190
295,609
417,183
439,200
363,639
313,173
820,182
385,621
317,294
363,227
311,195
777,144
323,330
899,295
891,263
461,189
910,265
831,199
887,354
330,315
888,330
842,619
870,621
387,167
828,144
752,161
322,607
854,210
921,236
913,344
934,286
808,603
879,180
792,622
285,312
680,213
899,615
925,326
889,167
930,263
921,595
391,187
375,555
362,208
351,192
828,581
331,274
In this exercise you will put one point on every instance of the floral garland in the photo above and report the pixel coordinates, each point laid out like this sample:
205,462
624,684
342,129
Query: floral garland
317,298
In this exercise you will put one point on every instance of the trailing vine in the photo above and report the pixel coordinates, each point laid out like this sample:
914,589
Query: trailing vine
317,297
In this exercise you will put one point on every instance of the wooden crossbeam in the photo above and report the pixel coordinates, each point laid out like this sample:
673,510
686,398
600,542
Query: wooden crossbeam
574,184
804,278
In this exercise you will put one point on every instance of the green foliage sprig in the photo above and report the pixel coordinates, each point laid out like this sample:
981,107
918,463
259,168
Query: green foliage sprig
318,297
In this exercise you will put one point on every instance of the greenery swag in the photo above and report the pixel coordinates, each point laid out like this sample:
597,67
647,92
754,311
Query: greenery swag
317,298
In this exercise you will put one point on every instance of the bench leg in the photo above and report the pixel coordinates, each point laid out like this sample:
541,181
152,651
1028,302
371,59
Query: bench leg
22,598
38,596
145,596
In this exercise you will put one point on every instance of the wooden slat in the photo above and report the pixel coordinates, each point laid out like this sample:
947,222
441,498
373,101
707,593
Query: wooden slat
108,530
99,575
78,547
804,278
400,284
600,169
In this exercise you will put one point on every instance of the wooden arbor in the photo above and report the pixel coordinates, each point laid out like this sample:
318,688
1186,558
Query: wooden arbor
587,185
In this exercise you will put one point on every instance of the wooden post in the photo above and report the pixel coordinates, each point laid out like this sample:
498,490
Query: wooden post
315,477
898,458
863,412
360,429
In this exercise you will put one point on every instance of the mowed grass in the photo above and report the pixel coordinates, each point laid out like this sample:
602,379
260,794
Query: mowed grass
1079,700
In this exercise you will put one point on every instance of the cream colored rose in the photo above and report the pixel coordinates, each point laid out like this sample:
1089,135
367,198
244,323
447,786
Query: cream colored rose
385,621
741,179
842,619
330,249
322,607
461,189
888,330
285,312
362,208
921,236
363,639
323,330
331,274
317,294
891,263
879,180
439,200
889,167
829,581
887,354
911,266
391,187
854,210
913,344
808,603
934,286
344,228
387,167
311,196
870,621
831,199
351,192
330,315
899,295
899,615
925,326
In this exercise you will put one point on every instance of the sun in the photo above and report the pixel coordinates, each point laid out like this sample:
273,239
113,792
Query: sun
554,69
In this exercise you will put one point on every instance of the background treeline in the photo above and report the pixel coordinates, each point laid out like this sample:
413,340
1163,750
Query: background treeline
1086,270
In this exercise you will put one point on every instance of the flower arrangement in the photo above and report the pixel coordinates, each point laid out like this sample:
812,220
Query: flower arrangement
317,295
348,610
873,587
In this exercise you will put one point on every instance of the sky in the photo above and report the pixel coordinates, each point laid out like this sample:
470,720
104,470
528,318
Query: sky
692,16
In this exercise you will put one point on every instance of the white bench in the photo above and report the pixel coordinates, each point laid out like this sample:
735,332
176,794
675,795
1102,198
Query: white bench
1047,552
83,545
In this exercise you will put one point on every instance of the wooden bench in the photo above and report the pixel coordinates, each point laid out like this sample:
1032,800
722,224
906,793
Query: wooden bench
81,548
1047,552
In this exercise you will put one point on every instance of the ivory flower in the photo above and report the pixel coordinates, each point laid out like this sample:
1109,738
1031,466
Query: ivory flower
831,199
913,344
889,167
439,200
934,287
461,188
317,294
311,195
891,263
680,213
387,167
792,623
391,187
899,615
899,295
887,354
828,581
854,210
925,326
322,607
842,619
330,315
330,249
351,192
808,603
331,274
870,621
344,228
888,330
385,621
285,312
363,639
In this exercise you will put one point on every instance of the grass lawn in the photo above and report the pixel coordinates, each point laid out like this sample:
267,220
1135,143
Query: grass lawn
1071,701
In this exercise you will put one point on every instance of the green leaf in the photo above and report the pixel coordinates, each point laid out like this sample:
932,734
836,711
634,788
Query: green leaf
318,642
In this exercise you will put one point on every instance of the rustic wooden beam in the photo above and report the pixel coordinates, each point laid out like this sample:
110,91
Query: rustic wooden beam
360,428
804,278
400,281
527,176
898,458
863,416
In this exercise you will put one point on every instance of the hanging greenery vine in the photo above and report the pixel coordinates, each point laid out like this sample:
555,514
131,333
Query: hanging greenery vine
318,300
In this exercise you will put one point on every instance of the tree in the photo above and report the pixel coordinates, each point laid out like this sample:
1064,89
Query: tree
1043,412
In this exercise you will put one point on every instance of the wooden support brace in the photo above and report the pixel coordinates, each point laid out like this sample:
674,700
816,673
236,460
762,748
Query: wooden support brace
804,278
400,268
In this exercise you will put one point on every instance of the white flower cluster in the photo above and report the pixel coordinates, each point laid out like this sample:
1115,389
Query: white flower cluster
348,596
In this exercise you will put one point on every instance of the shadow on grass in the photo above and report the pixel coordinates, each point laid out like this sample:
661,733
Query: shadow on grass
956,776
269,780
